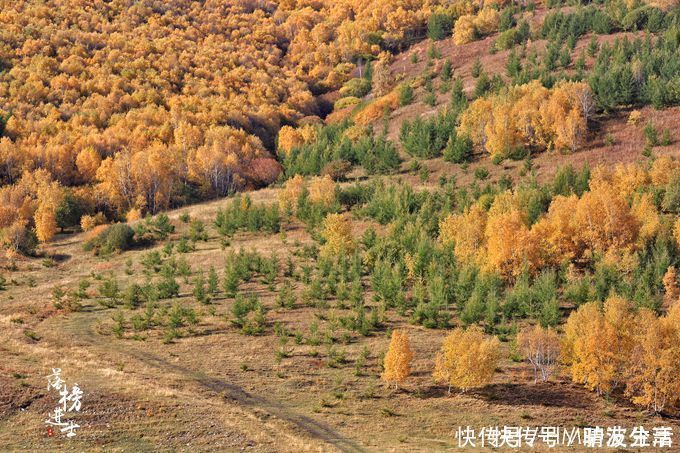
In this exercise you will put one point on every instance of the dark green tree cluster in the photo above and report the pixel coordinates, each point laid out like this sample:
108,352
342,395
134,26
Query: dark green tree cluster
375,154
439,26
243,215
639,71
426,138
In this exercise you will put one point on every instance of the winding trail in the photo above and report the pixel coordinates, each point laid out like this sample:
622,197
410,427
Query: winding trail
79,326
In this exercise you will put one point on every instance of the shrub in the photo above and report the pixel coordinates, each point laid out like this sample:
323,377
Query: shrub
481,173
87,222
337,169
346,102
115,238
405,94
430,99
447,71
357,88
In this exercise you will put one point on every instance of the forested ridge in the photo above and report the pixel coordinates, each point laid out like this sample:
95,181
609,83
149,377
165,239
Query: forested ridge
140,106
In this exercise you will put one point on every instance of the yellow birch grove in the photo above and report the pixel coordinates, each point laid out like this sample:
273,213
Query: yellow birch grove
574,230
613,347
467,359
653,373
143,112
31,203
530,116
597,344
397,363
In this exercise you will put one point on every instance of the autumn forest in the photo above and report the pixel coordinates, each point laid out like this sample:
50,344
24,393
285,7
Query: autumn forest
339,224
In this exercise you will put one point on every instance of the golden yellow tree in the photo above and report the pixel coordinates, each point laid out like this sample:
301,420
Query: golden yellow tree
289,138
50,196
597,344
88,222
464,30
337,233
644,210
474,119
664,168
291,191
397,364
88,161
322,190
604,220
541,347
653,374
465,232
566,114
510,247
557,233
467,359
502,132
487,20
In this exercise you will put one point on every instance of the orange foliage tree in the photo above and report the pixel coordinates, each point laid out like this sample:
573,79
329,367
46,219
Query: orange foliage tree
531,116
397,363
597,344
653,373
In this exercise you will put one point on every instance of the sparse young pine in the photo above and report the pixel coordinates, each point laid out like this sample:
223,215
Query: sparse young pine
199,289
467,359
397,364
541,347
405,94
213,281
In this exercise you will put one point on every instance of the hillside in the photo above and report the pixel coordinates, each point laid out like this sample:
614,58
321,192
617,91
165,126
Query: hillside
329,226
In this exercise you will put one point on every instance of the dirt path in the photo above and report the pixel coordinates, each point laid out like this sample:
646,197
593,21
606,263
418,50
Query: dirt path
79,327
